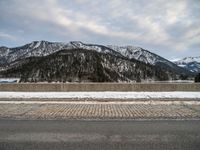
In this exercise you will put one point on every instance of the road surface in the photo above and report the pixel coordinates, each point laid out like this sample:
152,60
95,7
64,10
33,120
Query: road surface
99,135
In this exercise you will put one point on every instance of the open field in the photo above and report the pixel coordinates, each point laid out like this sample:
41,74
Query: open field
59,87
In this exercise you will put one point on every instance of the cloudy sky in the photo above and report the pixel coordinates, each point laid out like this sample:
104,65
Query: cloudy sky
170,28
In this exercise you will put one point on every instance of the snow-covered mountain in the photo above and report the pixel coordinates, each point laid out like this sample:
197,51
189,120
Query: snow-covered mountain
44,48
36,48
19,56
93,47
190,63
81,65
147,57
137,53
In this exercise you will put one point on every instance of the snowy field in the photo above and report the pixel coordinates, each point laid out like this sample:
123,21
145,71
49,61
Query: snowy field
102,95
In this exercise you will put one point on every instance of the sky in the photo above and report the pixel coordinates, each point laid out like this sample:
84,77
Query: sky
170,28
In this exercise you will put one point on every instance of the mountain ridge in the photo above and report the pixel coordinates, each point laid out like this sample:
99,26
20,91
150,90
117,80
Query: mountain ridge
189,63
80,65
18,56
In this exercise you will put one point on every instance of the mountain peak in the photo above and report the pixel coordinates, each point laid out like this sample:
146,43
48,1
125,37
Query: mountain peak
138,53
76,42
190,63
35,44
189,59
3,47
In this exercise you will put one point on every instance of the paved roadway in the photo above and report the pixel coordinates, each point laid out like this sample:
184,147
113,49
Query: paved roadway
56,125
99,135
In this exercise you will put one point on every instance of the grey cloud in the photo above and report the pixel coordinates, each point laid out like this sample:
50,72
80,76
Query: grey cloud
166,25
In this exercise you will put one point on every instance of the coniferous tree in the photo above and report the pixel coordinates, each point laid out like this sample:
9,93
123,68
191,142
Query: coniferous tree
197,78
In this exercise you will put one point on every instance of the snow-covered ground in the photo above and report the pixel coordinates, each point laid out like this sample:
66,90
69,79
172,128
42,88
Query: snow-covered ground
169,81
101,95
9,80
103,102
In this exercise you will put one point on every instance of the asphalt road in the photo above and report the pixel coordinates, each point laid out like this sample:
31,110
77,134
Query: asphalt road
99,135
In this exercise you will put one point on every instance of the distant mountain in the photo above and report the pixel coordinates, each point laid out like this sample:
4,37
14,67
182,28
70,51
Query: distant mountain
148,57
36,48
77,61
190,63
83,65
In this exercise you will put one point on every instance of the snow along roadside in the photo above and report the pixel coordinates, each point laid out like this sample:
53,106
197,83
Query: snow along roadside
95,102
101,95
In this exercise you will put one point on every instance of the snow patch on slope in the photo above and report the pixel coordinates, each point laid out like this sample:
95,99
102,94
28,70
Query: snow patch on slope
37,44
189,63
188,60
138,53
